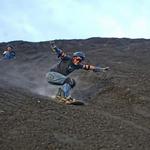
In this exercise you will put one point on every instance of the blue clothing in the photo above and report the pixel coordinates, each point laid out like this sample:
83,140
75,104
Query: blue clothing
66,89
9,55
59,79
55,78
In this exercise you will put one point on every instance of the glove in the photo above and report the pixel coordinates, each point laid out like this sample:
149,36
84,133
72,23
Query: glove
52,43
53,46
98,69
105,69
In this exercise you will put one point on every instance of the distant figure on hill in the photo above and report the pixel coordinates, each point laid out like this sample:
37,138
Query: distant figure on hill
9,53
58,75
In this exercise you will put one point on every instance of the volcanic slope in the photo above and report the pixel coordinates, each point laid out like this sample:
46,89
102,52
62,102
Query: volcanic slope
117,111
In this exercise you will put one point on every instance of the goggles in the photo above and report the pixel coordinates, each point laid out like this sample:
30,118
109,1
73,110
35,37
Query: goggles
78,58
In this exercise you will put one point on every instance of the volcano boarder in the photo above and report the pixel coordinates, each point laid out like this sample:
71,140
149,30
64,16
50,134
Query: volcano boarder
58,75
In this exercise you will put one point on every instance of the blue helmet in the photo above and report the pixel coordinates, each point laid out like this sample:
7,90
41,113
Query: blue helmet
79,54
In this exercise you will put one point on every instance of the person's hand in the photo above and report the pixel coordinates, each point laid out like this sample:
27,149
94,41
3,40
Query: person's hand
105,69
4,53
53,45
98,69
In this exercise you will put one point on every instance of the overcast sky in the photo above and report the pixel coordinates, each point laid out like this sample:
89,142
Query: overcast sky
42,20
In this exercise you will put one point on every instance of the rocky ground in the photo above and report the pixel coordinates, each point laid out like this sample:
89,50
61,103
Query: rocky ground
117,111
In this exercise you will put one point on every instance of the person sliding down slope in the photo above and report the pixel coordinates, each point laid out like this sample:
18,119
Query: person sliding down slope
58,75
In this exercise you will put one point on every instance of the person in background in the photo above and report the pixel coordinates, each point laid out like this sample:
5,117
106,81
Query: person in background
9,53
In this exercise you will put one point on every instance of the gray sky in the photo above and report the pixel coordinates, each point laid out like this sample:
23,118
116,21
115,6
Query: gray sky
42,20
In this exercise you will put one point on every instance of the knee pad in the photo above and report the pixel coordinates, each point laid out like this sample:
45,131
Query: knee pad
71,82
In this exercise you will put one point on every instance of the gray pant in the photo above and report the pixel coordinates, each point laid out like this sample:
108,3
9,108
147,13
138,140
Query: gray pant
55,78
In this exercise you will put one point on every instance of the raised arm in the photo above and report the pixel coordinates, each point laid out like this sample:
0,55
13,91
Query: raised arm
60,53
